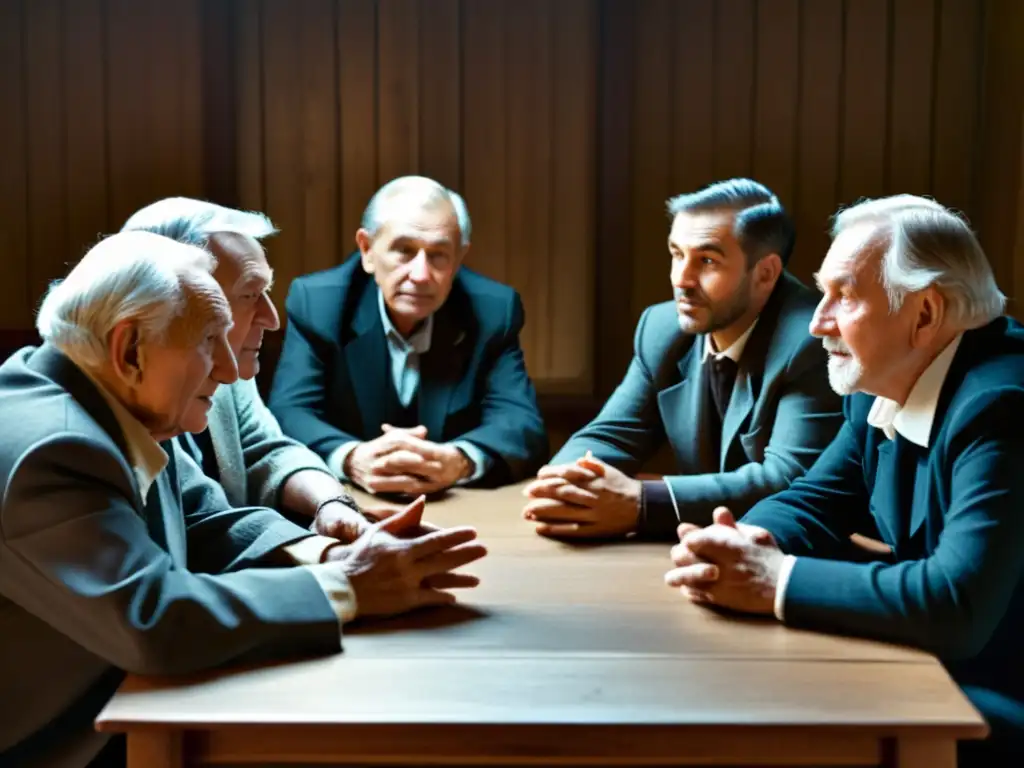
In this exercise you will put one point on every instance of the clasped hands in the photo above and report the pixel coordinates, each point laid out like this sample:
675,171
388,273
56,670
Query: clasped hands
584,499
403,461
727,564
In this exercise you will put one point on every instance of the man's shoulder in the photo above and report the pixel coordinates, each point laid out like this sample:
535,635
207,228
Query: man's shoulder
988,369
480,301
38,412
484,292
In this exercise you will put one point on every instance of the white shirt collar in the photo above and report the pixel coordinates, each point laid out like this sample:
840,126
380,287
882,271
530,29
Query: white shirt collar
418,342
914,420
146,457
735,349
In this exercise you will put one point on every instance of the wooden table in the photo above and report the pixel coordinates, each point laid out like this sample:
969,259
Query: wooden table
564,655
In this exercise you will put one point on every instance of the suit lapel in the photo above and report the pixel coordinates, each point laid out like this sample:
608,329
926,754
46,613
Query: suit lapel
366,357
441,369
165,518
685,412
893,492
226,440
740,405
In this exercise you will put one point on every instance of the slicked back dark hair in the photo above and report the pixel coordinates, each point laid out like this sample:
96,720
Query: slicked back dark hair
762,225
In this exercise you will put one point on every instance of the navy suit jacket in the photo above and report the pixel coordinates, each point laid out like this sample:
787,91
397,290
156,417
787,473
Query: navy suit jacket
473,382
954,516
781,415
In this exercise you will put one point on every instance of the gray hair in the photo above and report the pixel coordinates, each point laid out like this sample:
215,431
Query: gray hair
130,276
427,192
192,221
929,245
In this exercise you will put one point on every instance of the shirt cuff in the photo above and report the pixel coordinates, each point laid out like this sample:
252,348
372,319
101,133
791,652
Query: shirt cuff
310,550
336,459
659,510
780,586
337,588
481,461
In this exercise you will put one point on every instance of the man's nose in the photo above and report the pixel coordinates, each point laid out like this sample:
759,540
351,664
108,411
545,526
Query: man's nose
225,367
267,315
822,322
419,270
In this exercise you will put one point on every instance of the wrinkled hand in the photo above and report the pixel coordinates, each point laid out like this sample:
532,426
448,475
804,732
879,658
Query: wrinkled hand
392,575
341,521
727,564
587,499
404,461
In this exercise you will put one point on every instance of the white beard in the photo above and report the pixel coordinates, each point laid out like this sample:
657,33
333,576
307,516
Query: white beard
844,374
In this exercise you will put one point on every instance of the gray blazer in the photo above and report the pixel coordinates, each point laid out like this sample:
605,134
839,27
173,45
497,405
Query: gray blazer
94,581
254,458
781,416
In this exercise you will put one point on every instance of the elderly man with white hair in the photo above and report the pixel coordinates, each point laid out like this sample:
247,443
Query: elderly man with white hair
244,448
402,368
116,552
929,460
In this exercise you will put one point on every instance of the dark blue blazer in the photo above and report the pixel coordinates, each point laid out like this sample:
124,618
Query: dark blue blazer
332,378
953,514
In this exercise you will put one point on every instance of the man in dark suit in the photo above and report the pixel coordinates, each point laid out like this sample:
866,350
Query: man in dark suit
727,373
928,460
403,370
116,552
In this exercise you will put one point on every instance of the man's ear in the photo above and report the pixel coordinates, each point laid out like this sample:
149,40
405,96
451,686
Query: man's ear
929,315
768,270
125,352
363,242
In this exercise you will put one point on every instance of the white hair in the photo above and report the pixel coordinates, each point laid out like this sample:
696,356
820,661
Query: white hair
192,221
426,192
130,276
929,245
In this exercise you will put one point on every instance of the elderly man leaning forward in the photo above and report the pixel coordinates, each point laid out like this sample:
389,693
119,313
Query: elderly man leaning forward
116,552
928,460
244,448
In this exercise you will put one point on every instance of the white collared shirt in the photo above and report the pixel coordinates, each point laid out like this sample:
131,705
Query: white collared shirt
913,421
145,456
735,349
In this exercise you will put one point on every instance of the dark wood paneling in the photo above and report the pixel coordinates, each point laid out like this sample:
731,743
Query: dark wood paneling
565,125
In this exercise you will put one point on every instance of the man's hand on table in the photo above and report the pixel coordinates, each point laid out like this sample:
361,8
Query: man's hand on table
403,461
401,564
727,564
585,499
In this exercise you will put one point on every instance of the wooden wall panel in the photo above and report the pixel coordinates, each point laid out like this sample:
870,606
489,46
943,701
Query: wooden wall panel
47,181
825,101
818,131
357,51
15,295
566,126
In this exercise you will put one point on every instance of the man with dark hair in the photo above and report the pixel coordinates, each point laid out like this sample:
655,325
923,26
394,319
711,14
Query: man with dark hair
727,373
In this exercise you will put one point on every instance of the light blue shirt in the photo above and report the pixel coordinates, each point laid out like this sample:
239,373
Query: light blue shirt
405,354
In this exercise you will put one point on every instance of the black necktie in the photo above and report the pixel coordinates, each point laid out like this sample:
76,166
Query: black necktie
721,375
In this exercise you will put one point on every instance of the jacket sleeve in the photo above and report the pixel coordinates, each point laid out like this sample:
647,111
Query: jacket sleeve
817,514
75,552
807,417
950,602
270,457
628,430
298,397
511,428
222,538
